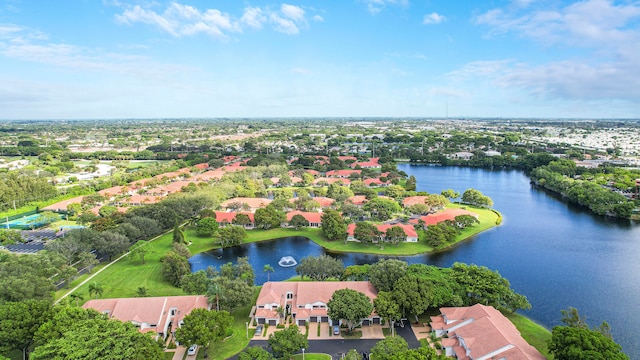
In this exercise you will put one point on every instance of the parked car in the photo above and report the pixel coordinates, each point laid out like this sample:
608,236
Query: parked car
193,349
336,329
258,330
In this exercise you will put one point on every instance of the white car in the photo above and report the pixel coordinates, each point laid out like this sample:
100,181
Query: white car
193,349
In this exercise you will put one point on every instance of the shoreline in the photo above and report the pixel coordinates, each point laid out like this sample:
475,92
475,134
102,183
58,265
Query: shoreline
489,219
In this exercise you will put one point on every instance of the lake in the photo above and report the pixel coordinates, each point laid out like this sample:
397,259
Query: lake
557,254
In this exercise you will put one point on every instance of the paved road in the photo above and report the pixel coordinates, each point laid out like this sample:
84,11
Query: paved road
336,348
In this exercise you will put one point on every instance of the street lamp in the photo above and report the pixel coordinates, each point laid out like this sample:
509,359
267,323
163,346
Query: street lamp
302,353
246,325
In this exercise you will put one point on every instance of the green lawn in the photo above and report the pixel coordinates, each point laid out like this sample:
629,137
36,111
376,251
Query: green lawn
535,334
312,357
123,278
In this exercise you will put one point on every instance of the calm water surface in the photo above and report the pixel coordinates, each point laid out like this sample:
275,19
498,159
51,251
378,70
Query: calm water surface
557,254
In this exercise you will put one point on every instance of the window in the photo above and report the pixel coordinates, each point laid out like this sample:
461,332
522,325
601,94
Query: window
173,311
289,295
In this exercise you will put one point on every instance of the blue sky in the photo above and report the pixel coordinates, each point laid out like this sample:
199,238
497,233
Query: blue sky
77,59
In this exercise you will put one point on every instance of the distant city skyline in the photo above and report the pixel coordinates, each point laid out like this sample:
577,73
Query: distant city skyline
82,59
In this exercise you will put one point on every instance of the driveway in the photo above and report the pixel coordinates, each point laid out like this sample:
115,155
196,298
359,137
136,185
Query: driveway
336,347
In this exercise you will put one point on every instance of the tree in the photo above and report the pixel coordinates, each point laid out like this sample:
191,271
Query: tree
95,289
99,338
484,286
320,268
269,217
215,292
241,220
464,221
395,234
230,235
139,250
572,318
384,273
8,237
387,307
178,235
255,353
333,225
206,226
436,202
19,322
174,267
285,343
76,297
366,232
349,305
476,198
386,348
418,209
236,293
395,191
202,327
382,209
577,343
268,269
450,194
298,221
422,353
413,294
339,193
111,243
195,283
107,210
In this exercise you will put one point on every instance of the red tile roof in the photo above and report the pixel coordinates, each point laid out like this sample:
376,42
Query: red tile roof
358,199
408,229
62,205
485,331
149,310
311,217
228,217
342,173
344,181
444,215
413,200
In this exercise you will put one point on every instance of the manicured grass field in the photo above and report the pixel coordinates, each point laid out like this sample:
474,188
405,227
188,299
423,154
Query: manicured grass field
123,278
535,334
308,356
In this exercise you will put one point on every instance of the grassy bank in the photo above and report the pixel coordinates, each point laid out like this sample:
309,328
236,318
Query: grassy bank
535,334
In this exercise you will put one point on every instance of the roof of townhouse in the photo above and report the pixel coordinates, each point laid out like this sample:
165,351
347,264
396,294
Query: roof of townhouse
409,230
357,199
311,217
62,205
342,173
444,215
413,200
228,217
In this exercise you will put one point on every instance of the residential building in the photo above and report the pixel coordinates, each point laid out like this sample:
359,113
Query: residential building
481,332
224,218
410,232
306,301
314,218
444,215
249,204
162,315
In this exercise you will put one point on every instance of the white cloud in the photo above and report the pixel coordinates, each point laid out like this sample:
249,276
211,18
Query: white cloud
433,18
478,69
253,17
283,25
608,29
293,12
318,18
375,6
184,20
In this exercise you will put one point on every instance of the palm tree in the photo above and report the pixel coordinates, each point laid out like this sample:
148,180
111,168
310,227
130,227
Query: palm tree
76,297
268,269
280,310
95,289
217,292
